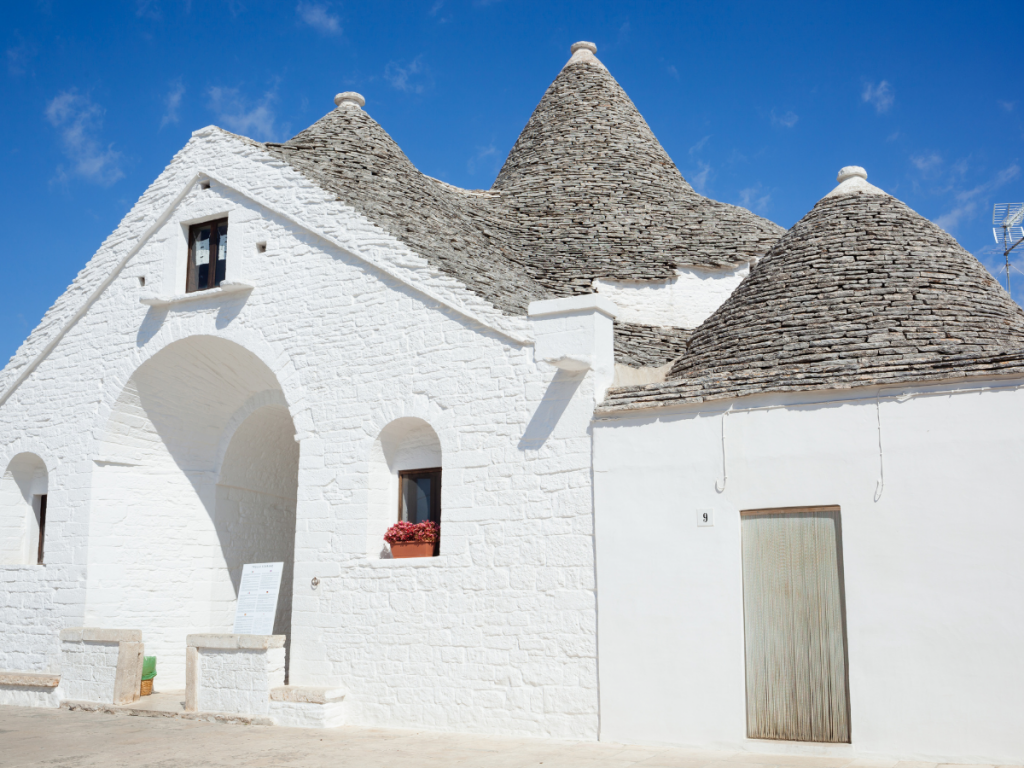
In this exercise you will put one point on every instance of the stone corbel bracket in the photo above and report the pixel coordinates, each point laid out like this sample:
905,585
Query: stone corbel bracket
577,334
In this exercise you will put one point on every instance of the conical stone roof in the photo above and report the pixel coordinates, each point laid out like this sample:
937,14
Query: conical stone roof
861,291
348,153
587,192
594,194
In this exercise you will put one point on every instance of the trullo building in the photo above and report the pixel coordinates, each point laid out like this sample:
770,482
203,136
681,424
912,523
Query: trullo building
699,480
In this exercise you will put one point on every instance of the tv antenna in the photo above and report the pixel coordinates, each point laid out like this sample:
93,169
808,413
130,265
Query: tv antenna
1008,230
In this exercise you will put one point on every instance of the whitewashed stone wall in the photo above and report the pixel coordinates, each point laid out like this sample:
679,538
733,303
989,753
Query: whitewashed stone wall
685,301
497,634
929,491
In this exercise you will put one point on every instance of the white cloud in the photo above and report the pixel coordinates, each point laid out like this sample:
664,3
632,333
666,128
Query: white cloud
148,9
318,16
699,180
673,71
413,77
753,199
79,120
18,58
482,153
234,111
926,163
968,202
787,120
881,96
700,145
436,7
1008,105
172,101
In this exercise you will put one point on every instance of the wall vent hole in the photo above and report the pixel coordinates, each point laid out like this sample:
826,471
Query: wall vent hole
204,185
142,282
261,247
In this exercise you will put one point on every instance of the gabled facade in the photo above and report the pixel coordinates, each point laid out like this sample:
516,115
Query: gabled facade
278,334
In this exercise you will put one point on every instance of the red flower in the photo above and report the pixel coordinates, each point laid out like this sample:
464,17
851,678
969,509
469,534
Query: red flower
428,532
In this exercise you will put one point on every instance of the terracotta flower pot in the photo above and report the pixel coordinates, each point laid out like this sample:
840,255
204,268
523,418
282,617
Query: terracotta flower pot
412,549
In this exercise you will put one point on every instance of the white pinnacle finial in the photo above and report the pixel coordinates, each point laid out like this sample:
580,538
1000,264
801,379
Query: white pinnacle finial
850,172
349,99
853,180
584,51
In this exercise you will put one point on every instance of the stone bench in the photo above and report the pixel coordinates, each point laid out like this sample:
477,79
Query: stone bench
29,689
232,674
101,665
301,706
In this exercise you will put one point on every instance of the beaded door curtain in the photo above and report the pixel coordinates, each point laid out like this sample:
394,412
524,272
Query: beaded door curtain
794,625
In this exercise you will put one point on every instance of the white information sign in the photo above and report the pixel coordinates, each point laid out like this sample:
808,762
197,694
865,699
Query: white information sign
257,598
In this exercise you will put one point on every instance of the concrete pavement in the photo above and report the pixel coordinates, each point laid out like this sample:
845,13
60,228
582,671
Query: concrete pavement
65,739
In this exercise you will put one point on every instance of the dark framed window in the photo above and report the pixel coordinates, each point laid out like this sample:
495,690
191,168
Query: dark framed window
207,255
419,497
41,514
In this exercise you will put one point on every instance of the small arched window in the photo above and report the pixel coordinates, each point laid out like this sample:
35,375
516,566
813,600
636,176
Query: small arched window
405,467
23,500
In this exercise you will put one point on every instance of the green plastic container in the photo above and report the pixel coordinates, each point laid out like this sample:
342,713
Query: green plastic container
148,667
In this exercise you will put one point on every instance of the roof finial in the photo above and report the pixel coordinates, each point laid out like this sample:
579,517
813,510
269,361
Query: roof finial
349,99
584,52
850,172
853,180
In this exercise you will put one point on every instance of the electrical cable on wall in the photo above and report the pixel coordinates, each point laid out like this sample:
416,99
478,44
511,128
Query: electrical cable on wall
725,471
900,398
880,484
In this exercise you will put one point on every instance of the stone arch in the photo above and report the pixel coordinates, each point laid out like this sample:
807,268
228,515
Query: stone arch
24,484
184,329
196,474
405,443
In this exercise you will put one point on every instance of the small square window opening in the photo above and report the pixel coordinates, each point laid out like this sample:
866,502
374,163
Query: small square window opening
261,247
207,255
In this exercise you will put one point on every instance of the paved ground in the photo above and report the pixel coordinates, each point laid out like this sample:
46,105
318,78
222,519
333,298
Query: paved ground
57,738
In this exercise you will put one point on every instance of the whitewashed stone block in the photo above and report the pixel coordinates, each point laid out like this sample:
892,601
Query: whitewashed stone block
29,689
233,673
307,706
101,665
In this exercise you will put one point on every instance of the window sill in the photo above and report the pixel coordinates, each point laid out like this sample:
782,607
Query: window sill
402,562
211,293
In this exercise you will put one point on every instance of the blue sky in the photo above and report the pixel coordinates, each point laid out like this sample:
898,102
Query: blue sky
759,104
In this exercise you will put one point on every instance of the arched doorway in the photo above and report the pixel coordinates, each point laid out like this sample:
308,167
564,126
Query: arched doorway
196,475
